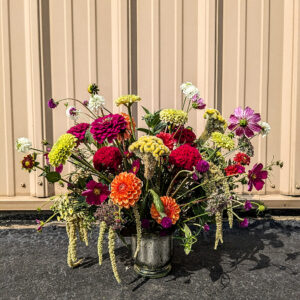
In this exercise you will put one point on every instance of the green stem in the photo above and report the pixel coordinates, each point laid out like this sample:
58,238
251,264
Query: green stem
195,217
173,181
180,186
131,122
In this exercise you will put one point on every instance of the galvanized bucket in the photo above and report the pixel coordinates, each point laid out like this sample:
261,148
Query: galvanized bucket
155,255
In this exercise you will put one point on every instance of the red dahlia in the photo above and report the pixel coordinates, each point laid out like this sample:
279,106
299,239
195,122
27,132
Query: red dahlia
167,138
242,159
107,158
185,157
234,169
184,136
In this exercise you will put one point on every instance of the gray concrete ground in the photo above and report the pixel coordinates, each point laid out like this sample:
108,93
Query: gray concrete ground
260,262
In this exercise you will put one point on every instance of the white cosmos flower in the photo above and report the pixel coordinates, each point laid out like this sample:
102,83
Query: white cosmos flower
189,90
72,112
265,128
23,144
96,101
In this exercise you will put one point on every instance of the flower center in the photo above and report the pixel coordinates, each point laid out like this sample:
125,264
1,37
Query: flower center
253,176
27,163
73,111
243,122
122,187
97,191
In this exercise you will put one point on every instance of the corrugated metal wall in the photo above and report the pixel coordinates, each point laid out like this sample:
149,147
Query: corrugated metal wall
238,52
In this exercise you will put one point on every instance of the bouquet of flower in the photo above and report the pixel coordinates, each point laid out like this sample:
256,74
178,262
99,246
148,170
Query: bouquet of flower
159,179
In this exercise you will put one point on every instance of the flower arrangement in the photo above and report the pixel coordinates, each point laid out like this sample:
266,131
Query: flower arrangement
159,178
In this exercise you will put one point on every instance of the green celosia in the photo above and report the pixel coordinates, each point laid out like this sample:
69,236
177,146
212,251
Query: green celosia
173,116
62,149
222,140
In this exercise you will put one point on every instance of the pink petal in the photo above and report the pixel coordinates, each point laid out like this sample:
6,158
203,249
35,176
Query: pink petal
232,126
248,132
238,112
257,168
86,193
248,112
258,184
254,127
263,175
250,186
255,118
233,119
239,131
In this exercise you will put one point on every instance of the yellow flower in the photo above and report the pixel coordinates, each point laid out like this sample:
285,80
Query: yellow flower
222,140
173,116
127,99
61,150
149,144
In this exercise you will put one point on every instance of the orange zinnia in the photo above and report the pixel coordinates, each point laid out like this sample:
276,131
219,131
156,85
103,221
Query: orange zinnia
128,132
126,189
172,210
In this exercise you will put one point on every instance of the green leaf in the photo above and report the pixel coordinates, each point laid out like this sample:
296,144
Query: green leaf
53,177
158,204
189,239
88,136
146,110
144,130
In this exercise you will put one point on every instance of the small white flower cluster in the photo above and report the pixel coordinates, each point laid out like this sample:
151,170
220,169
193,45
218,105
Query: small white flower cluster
72,112
23,144
95,102
265,128
189,90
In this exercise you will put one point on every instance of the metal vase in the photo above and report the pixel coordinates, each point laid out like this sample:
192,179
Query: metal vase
155,255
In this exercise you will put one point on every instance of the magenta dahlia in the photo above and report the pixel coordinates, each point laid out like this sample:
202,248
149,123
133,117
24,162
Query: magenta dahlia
244,122
96,193
79,131
108,127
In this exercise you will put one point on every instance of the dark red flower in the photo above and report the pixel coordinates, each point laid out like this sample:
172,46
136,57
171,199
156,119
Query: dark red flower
79,131
28,163
135,167
167,138
185,157
234,169
184,136
256,176
242,159
107,158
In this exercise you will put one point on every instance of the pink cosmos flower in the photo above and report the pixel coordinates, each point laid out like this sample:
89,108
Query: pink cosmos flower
198,102
244,122
256,176
135,167
96,193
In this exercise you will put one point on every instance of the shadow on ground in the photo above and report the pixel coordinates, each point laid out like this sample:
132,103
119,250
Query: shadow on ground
260,262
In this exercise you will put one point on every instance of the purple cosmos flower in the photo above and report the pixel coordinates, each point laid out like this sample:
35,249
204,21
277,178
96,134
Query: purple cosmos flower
198,102
96,193
85,102
145,223
52,104
202,166
256,176
247,205
108,127
135,167
244,122
206,227
37,221
166,222
244,223
59,168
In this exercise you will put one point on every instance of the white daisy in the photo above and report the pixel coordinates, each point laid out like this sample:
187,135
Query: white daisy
265,128
189,90
96,101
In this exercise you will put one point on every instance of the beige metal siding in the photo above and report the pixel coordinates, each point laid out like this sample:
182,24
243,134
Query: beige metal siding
237,52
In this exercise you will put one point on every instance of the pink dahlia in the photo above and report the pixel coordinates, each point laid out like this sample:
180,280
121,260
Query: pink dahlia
108,127
107,158
167,139
244,122
96,193
256,176
79,131
185,157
